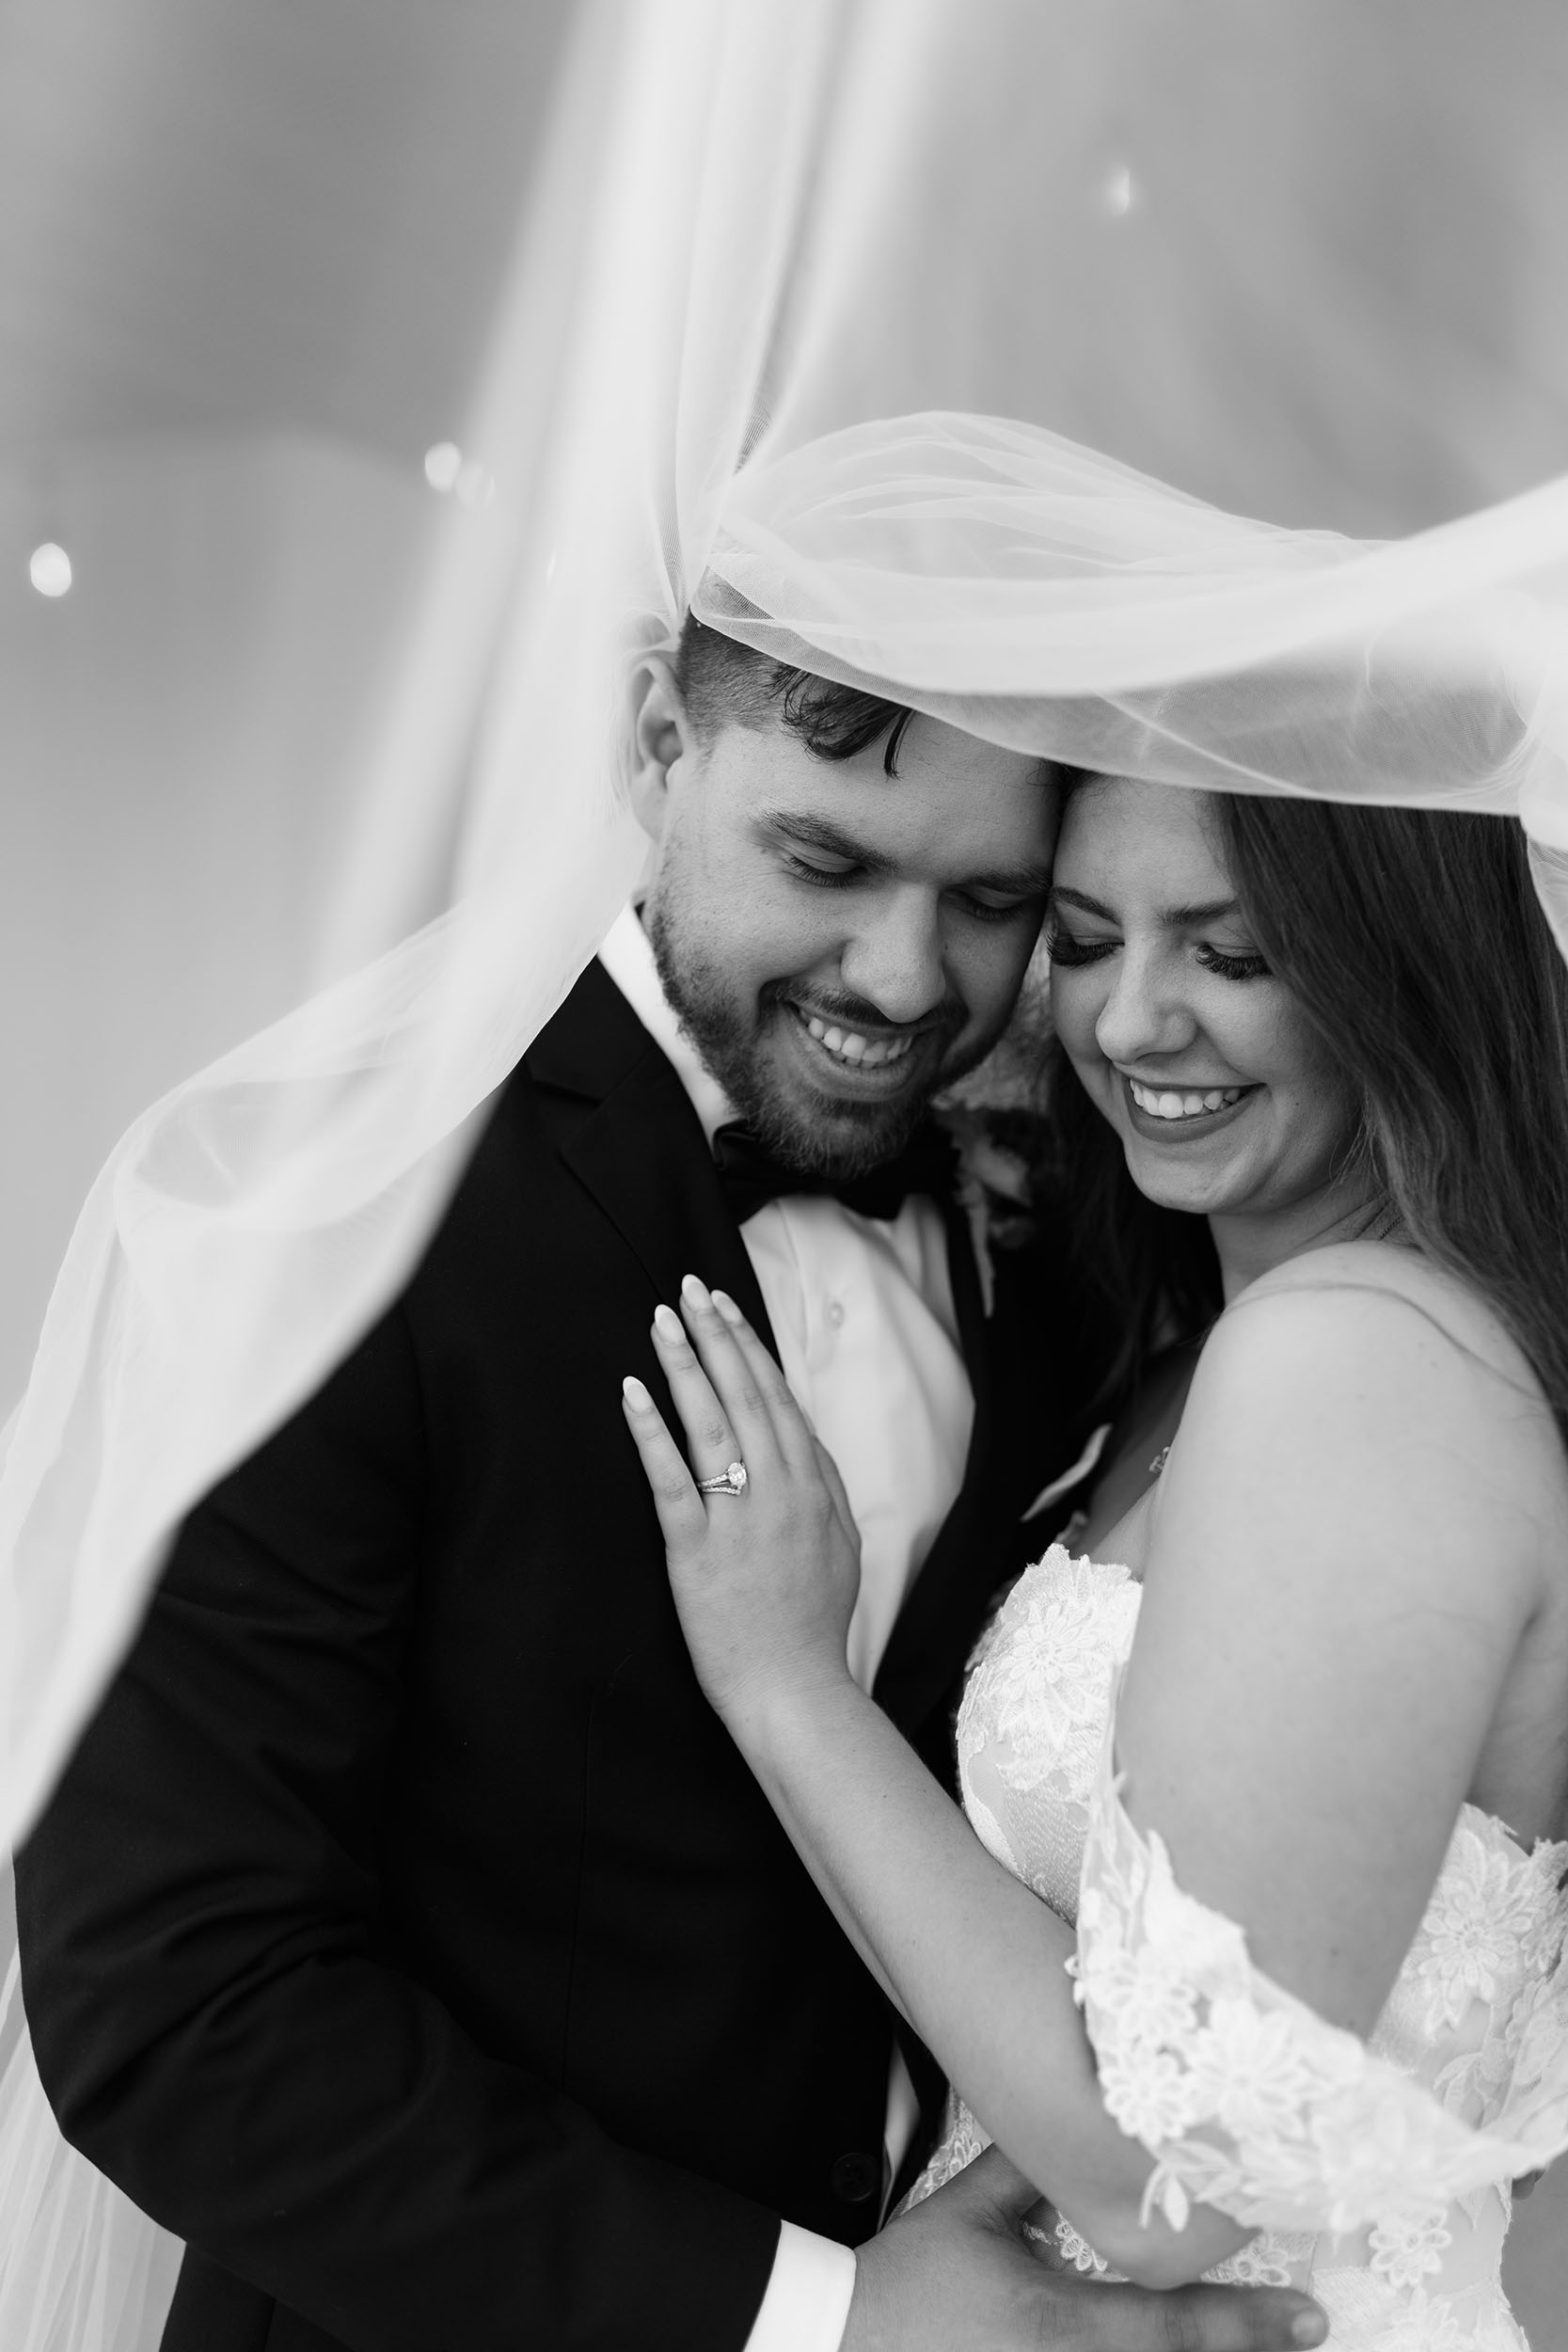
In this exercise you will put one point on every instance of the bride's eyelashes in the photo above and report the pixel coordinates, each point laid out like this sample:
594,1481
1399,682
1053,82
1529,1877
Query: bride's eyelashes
1239,966
1232,965
1064,948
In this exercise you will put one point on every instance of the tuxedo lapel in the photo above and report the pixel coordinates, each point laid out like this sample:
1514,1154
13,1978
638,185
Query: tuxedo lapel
638,1146
968,1306
930,1639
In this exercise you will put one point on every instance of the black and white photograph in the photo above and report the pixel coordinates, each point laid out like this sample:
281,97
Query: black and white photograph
784,1236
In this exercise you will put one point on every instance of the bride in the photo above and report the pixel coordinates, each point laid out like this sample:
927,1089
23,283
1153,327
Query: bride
1283,1732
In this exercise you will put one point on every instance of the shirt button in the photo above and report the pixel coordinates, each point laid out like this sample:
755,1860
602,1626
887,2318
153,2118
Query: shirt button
855,2178
834,1314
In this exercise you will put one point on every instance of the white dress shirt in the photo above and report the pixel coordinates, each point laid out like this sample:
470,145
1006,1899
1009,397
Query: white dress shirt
862,1310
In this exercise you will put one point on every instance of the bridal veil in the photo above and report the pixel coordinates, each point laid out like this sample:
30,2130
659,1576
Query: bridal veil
782,276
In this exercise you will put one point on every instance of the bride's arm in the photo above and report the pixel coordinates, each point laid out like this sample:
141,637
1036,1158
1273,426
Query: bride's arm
1352,1535
765,1584
1334,1600
974,1960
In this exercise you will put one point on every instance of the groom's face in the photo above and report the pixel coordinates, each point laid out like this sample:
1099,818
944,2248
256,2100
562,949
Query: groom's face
840,943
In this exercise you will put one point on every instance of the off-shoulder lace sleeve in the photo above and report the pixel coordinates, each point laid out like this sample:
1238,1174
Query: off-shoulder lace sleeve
1250,2101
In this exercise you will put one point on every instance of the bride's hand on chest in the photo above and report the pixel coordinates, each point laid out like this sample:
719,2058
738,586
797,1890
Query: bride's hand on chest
762,1549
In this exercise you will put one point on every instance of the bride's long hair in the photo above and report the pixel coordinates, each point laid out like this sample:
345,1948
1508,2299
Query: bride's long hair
1414,943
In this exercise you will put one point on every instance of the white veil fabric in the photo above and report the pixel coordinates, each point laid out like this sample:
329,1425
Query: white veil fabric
751,235
1014,584
781,268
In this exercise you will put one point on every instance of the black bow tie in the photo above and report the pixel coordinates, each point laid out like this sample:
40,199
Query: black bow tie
752,1176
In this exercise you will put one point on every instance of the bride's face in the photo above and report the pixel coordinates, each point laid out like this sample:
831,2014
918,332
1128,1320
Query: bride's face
839,941
1223,1097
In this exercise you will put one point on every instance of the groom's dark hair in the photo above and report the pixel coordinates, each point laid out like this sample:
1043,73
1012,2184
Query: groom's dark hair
723,683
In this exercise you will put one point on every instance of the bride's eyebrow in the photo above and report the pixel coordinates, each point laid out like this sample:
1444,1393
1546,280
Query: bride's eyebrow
1174,918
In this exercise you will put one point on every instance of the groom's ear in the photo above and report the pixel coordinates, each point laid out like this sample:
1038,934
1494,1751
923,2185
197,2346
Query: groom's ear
661,737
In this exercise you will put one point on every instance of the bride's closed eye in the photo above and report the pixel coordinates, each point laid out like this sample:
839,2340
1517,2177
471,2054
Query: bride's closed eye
1234,963
1065,948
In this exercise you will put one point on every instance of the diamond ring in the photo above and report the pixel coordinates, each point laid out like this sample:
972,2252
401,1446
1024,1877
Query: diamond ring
728,1482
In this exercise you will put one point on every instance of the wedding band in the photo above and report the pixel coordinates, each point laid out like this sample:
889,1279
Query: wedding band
728,1482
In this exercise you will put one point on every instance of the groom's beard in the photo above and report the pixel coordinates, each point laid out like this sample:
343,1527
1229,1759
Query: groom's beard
817,1130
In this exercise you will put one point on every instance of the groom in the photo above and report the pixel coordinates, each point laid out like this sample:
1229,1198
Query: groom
405,1934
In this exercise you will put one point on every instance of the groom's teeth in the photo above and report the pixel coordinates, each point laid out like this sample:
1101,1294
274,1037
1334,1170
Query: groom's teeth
861,1053
1166,1102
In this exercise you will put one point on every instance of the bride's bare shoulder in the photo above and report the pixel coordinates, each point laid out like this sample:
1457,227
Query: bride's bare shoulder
1353,1290
1373,1342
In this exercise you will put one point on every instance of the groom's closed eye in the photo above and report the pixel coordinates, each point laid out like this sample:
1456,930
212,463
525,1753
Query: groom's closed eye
836,861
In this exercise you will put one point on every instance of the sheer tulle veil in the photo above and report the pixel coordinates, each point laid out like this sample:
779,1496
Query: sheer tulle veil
745,359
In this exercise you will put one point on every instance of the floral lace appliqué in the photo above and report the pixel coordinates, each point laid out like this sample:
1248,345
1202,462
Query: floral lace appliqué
1036,1688
1426,2326
1406,2254
1373,2171
1483,1917
1265,2262
1076,2251
1251,2103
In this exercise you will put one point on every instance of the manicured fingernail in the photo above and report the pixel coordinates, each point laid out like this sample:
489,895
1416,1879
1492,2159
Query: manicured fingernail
695,1293
1310,2328
635,1394
667,1324
727,1307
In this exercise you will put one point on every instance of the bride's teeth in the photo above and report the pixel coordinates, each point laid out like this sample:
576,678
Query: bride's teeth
817,1029
1167,1103
854,1048
834,1040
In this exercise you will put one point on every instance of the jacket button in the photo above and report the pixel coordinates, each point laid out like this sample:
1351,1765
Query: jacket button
855,2178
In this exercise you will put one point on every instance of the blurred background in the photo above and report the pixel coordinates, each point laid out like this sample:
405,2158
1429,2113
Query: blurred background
1306,257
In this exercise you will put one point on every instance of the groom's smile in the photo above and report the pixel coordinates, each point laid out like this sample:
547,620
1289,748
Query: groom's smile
851,1041
839,941
847,1050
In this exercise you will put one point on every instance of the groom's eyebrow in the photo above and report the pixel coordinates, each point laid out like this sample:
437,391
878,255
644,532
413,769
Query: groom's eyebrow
1175,918
816,833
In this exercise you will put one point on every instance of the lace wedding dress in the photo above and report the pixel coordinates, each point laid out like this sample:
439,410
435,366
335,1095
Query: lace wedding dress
1377,2174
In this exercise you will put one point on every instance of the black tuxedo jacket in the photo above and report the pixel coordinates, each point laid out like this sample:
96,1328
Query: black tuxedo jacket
406,1933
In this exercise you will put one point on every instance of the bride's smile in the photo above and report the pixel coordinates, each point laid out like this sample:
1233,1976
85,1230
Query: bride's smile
1179,1108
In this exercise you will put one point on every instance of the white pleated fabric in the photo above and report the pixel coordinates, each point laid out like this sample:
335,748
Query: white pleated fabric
82,2269
754,236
